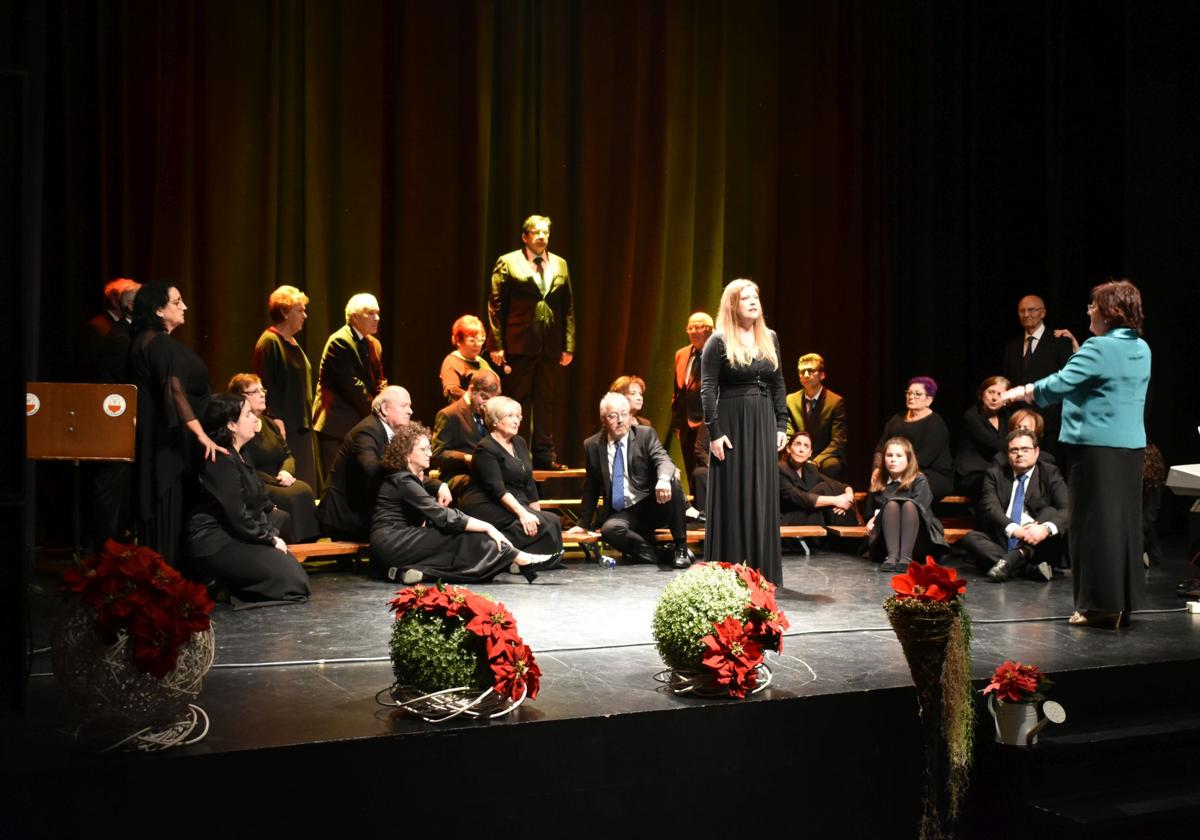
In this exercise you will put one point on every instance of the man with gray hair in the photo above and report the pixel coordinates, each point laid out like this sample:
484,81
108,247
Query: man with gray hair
628,467
351,375
348,502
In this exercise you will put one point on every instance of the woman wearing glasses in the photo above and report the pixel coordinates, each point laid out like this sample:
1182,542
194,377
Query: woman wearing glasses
745,409
926,431
275,461
1102,389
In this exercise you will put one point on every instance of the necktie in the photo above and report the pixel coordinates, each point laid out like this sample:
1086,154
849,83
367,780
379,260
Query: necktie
1028,351
618,479
479,425
541,276
692,373
810,417
1018,509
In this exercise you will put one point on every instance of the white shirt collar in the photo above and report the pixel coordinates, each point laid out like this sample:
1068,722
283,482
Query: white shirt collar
1038,333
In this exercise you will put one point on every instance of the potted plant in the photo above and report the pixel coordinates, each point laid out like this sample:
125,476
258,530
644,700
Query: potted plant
132,650
1013,697
455,652
713,626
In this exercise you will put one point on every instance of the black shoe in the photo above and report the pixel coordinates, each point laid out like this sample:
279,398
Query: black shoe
683,557
1001,572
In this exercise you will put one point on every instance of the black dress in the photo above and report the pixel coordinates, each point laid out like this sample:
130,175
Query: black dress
977,450
749,406
798,492
173,389
231,536
493,473
931,537
930,441
286,373
410,530
270,453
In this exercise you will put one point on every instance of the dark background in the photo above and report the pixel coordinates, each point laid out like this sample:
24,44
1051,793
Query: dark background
894,175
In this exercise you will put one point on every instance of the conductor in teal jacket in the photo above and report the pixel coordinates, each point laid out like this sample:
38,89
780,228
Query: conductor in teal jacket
1102,389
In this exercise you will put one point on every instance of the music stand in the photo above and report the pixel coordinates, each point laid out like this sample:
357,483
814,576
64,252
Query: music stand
74,421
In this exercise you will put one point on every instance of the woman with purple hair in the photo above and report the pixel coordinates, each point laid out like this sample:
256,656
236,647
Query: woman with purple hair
926,431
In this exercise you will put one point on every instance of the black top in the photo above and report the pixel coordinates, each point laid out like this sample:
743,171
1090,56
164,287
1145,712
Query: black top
455,436
269,453
494,472
286,373
405,503
233,507
104,350
980,441
720,379
930,440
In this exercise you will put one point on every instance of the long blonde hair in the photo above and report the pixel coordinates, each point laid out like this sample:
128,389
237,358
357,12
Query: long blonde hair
727,323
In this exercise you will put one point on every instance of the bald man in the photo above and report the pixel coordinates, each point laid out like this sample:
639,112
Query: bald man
1039,352
348,502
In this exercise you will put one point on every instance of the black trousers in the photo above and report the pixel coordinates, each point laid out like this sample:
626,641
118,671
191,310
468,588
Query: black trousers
534,382
631,531
693,443
986,552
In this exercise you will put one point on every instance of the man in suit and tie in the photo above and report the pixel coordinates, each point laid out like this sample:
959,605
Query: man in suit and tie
459,427
348,502
820,412
1038,353
350,377
687,416
628,467
1022,515
531,320
103,357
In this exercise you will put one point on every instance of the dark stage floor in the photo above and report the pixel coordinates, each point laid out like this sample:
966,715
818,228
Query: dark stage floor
310,672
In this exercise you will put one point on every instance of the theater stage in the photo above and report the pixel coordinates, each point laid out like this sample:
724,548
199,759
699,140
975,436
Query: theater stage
291,700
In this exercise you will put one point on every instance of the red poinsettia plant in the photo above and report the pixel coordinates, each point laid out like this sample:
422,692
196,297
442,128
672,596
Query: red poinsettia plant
737,646
514,670
1013,682
133,591
928,582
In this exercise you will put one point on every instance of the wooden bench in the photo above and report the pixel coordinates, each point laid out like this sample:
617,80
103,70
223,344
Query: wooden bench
328,548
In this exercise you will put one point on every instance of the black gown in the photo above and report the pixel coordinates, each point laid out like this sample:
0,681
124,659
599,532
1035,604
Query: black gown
930,441
977,450
410,530
749,406
270,453
173,389
493,473
231,536
286,373
798,492
931,537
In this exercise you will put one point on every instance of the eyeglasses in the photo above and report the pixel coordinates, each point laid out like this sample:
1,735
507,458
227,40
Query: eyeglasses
1032,311
1020,450
809,371
1091,307
254,392
915,394
617,415
424,448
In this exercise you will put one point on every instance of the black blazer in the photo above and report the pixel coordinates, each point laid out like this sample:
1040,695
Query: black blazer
980,443
286,373
798,489
455,436
1049,356
349,499
104,350
686,408
514,302
647,460
233,507
494,472
829,433
351,376
1045,499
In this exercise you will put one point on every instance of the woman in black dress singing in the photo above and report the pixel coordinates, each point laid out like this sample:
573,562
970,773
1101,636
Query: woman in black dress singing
413,537
502,490
742,391
173,389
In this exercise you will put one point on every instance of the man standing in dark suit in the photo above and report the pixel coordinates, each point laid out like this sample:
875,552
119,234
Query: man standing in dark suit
628,467
351,375
348,502
820,412
459,427
687,416
103,357
531,319
1022,515
1036,355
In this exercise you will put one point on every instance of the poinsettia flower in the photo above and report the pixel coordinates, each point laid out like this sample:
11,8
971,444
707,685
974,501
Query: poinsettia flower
928,582
767,627
405,600
497,623
1013,682
191,605
733,655
516,670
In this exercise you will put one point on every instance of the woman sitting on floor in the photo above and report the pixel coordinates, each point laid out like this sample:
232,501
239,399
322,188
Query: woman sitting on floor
806,497
413,537
502,490
900,524
272,457
233,533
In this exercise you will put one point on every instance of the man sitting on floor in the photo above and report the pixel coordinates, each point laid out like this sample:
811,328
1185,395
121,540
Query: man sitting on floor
628,467
459,427
349,500
1023,515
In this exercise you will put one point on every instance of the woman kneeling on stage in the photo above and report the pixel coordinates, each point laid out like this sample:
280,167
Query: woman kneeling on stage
413,537
233,533
901,523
